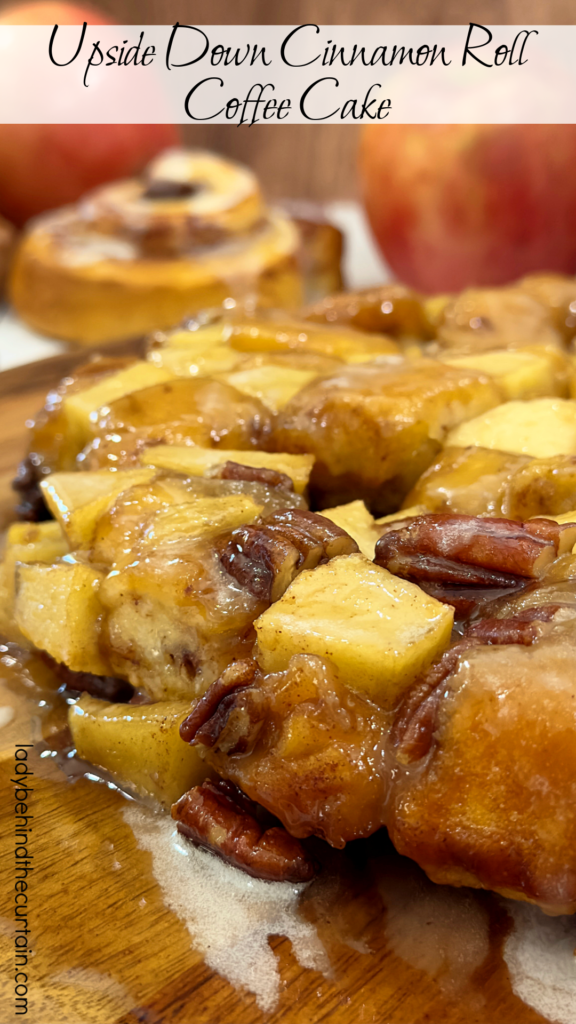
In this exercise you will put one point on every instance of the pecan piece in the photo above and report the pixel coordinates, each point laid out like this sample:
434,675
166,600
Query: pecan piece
415,721
220,716
31,507
106,687
563,535
211,817
253,474
468,550
468,599
266,557
518,629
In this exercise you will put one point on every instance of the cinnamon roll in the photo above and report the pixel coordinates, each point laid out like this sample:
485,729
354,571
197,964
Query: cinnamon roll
142,254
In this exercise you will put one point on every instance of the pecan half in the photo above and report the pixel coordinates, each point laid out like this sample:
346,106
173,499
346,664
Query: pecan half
468,549
106,687
212,817
415,721
468,599
210,715
253,474
267,556
518,629
562,535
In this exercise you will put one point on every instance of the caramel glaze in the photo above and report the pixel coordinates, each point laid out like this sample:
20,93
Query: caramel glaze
474,781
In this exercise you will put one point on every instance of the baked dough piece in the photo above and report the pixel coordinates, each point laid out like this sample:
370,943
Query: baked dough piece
392,309
139,255
374,428
487,798
481,319
484,481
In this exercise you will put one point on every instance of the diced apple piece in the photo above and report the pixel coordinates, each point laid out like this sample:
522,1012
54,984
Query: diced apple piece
403,513
273,385
522,374
25,542
198,361
139,745
200,461
202,517
58,609
81,409
8,628
378,630
77,500
281,333
344,343
201,340
542,428
566,517
35,542
358,522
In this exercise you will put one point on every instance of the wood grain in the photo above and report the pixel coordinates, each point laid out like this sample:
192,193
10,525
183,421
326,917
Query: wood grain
107,951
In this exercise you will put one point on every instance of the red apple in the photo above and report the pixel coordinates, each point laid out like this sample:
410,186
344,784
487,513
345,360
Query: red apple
53,12
459,205
43,166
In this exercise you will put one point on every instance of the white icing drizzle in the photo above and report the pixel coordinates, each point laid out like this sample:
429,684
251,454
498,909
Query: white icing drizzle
91,247
540,956
229,915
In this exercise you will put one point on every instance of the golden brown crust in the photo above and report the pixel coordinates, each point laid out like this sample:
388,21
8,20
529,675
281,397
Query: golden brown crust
373,429
486,789
390,309
303,746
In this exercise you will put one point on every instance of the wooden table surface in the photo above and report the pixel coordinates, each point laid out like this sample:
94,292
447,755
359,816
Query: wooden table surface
108,951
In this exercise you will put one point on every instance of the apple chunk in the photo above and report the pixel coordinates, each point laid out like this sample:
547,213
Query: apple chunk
379,631
139,745
358,522
35,542
25,542
202,517
201,461
81,409
58,609
521,373
195,361
273,385
542,428
77,500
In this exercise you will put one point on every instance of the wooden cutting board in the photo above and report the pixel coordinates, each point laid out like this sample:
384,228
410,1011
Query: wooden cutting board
105,947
